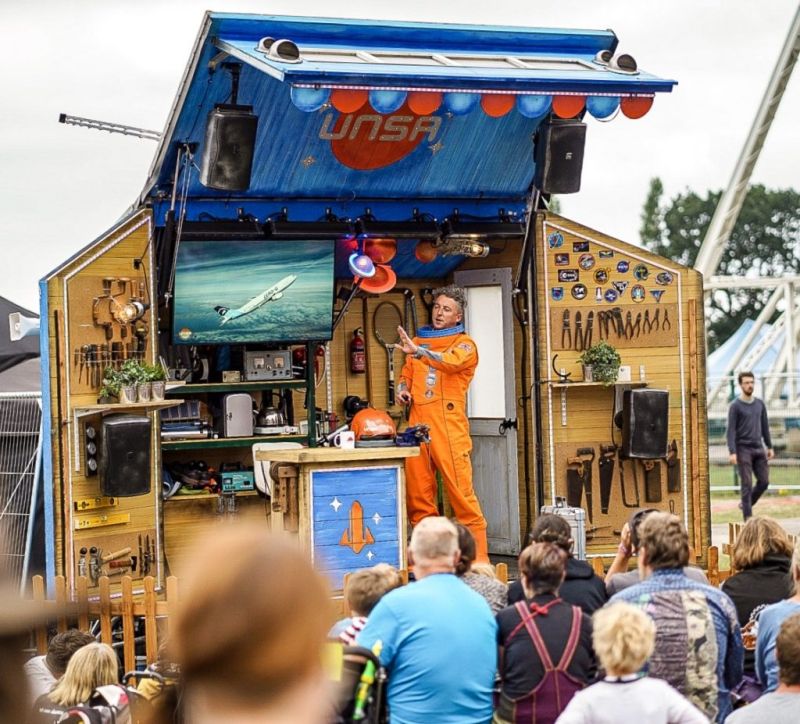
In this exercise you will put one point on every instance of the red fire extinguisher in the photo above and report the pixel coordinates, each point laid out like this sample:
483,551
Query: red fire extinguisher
358,354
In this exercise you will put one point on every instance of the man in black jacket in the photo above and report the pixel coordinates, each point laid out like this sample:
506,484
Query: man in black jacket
581,587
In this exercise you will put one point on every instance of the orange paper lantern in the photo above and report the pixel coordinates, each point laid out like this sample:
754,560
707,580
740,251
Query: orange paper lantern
423,103
636,107
425,251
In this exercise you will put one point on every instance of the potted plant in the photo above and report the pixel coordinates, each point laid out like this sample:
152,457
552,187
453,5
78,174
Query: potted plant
600,363
135,386
157,376
112,383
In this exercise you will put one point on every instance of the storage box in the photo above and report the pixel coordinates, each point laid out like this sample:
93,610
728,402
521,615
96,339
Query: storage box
576,517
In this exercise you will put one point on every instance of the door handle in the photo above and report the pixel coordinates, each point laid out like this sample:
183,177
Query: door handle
506,424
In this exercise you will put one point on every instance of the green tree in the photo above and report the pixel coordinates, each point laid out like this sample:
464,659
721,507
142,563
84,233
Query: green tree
765,242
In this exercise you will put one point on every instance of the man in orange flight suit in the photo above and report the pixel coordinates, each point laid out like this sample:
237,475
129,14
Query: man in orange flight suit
439,366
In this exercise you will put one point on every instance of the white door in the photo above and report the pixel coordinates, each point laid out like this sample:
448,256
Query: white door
491,404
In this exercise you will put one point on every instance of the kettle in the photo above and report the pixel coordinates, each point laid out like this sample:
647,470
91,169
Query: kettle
269,416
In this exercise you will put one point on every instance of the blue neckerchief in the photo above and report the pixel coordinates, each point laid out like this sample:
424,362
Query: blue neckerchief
428,332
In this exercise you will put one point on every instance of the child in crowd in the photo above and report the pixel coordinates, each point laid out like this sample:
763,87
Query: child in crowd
623,638
363,591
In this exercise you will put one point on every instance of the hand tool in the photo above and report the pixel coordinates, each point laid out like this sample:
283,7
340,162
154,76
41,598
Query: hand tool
652,481
605,465
121,563
82,561
621,463
385,321
647,326
637,327
578,332
587,337
672,507
666,324
141,554
118,572
656,320
617,312
604,318
579,478
562,376
116,554
673,468
94,565
566,331
629,325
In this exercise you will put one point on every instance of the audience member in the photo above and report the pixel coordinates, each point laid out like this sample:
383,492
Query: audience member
623,639
363,591
545,642
479,577
769,623
618,577
92,665
44,671
438,636
698,647
582,586
762,559
780,706
249,632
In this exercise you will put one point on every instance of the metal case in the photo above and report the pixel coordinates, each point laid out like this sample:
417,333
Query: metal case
237,412
577,522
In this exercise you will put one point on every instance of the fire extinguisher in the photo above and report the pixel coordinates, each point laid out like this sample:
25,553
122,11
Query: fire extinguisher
358,354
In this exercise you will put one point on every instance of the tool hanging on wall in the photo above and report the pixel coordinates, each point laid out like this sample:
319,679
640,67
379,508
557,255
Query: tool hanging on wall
673,468
578,332
587,337
605,466
579,479
652,481
385,321
566,331
621,464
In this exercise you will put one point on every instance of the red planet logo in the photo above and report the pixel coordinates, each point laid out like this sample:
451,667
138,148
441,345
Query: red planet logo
366,140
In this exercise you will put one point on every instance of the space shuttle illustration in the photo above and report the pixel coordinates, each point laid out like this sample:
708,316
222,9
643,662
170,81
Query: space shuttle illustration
272,294
357,535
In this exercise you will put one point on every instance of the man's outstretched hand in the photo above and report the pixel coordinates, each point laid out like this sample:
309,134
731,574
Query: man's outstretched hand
406,345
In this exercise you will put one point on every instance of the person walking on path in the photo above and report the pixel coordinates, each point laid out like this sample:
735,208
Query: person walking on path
748,434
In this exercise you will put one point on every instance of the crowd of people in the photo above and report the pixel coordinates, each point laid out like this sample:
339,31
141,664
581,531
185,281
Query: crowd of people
253,641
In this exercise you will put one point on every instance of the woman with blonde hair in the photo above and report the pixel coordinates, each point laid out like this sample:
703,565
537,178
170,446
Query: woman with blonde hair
623,638
91,666
761,557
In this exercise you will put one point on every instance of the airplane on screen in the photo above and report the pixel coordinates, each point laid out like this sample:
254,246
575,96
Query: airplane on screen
272,294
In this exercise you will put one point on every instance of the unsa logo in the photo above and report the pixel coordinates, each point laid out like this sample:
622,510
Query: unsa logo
367,140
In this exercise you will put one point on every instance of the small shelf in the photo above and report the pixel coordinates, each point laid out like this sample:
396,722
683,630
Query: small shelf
193,389
566,385
211,496
228,442
83,410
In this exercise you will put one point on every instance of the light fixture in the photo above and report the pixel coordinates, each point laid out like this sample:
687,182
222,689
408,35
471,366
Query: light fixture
361,265
603,57
455,227
623,63
282,229
284,51
129,311
415,229
462,247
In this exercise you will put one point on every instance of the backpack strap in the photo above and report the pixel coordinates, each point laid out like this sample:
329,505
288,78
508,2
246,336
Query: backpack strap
536,637
572,642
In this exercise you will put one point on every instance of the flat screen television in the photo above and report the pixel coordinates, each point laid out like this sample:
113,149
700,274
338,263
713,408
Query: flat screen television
254,291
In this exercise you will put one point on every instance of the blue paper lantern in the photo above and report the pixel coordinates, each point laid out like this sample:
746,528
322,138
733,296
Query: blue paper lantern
309,100
459,104
386,101
534,106
602,106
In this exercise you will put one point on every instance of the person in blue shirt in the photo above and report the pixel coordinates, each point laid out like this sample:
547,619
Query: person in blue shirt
769,624
698,648
437,637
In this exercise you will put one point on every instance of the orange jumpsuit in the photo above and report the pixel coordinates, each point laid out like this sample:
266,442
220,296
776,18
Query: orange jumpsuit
437,378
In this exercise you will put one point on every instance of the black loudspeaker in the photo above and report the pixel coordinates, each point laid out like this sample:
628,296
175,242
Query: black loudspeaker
125,456
645,417
229,145
559,157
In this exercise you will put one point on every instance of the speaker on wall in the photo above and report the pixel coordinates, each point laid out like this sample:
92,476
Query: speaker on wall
559,156
645,414
125,456
229,146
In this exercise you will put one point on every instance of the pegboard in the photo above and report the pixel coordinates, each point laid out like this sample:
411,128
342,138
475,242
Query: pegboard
143,558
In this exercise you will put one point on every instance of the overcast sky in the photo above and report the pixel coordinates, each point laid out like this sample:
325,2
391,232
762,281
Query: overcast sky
121,60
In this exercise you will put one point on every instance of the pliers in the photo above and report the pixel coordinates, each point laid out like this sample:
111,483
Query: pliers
647,325
666,324
637,325
656,320
566,331
578,332
587,337
629,325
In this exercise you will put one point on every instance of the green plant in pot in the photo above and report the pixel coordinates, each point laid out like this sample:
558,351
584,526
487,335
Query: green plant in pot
601,363
112,382
157,376
134,379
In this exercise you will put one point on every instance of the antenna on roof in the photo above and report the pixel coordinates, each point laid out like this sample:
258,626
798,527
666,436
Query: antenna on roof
110,127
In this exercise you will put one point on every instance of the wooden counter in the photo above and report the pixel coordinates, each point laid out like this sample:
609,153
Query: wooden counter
349,505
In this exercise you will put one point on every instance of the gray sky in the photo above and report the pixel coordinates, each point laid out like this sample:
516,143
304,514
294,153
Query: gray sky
121,61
